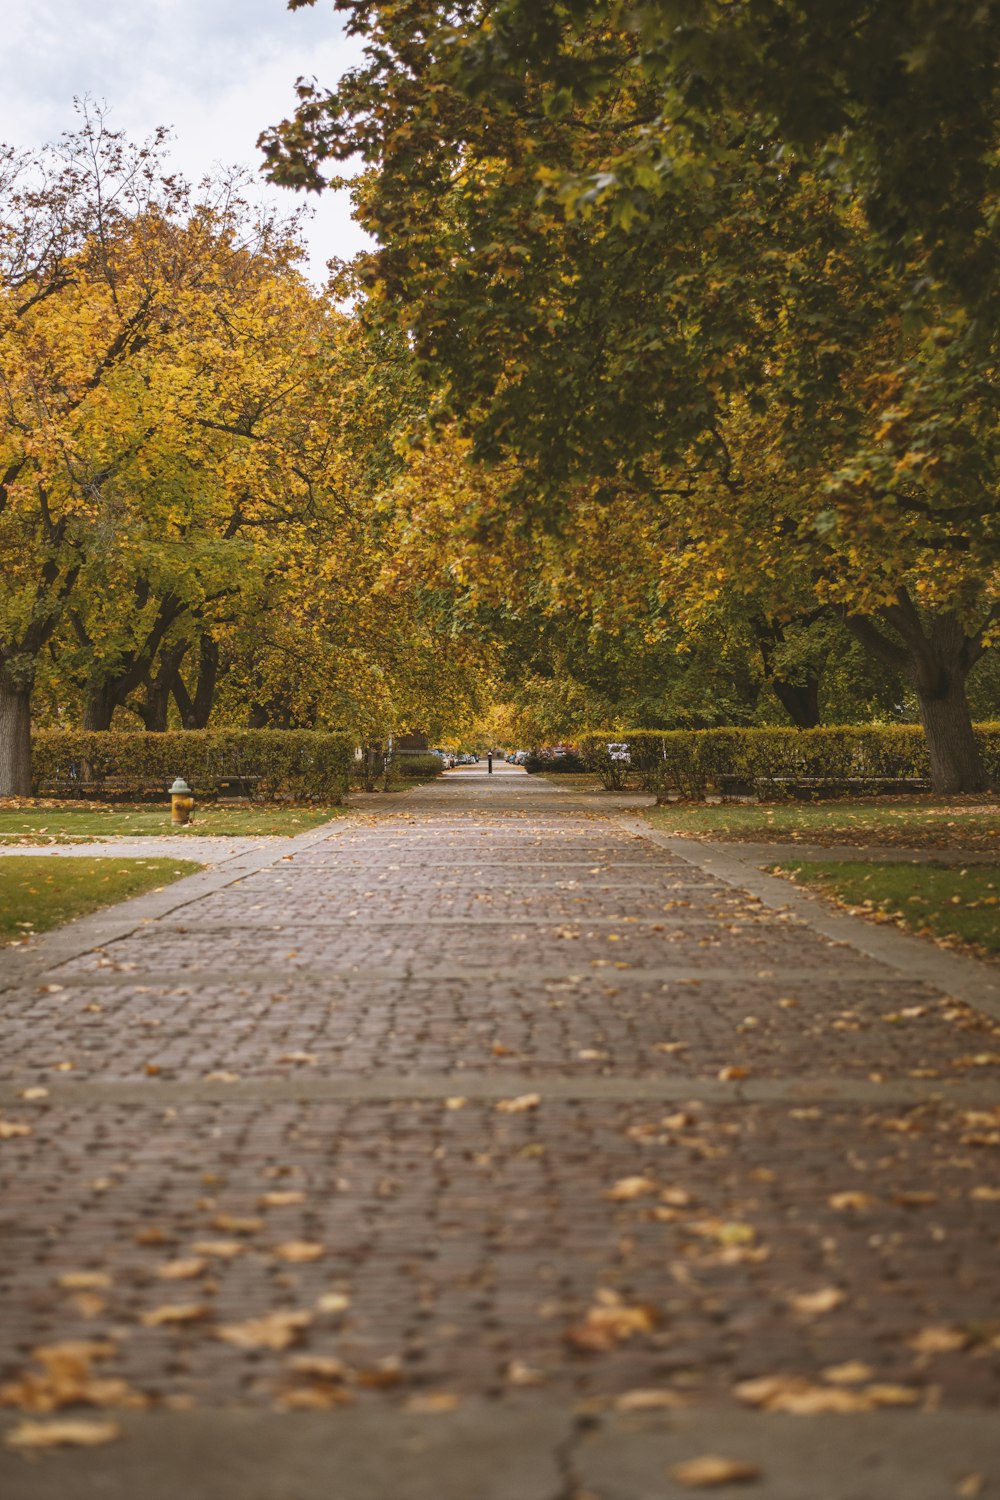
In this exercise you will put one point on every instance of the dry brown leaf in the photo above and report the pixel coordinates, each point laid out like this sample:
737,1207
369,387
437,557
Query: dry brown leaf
305,1058
276,1330
885,1394
221,1076
321,1397
457,1101
76,1433
705,1472
318,1366
814,1304
387,1373
670,1047
33,1095
432,1403
281,1199
851,1372
219,1249
88,1304
181,1270
519,1105
984,1194
174,1313
333,1302
795,1394
938,1338
970,1486
844,1202
676,1197
10,1129
627,1188
611,1322
234,1224
521,1374
650,1401
732,1073
914,1199
152,1234
298,1252
84,1281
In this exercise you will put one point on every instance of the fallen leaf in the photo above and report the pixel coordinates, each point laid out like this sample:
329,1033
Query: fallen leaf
221,1076
970,1486
843,1202
276,1330
78,1433
676,1197
650,1401
794,1394
813,1304
627,1188
181,1270
432,1403
298,1252
173,1313
319,1366
455,1102
280,1200
233,1224
732,1073
83,1281
703,1473
611,1322
333,1302
884,1394
671,1047
305,1058
32,1095
320,1396
938,1338
151,1235
521,1374
519,1105
986,1194
852,1372
10,1129
388,1372
219,1249
914,1199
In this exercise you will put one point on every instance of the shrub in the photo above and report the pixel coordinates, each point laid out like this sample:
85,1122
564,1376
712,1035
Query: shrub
774,762
540,760
418,767
300,765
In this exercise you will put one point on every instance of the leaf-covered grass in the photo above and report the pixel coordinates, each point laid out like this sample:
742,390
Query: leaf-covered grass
61,823
945,902
916,822
42,891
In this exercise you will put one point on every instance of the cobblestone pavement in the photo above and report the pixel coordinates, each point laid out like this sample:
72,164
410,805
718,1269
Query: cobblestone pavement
486,1094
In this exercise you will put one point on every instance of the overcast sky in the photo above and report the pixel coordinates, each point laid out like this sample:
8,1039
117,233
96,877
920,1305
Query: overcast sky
216,71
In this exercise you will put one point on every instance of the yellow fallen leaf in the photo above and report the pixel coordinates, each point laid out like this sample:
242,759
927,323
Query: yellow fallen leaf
174,1312
519,1105
233,1224
642,1400
305,1058
318,1366
32,1095
732,1073
521,1374
795,1394
455,1102
884,1394
219,1249
671,1047
83,1281
938,1338
843,1202
708,1471
984,1194
221,1076
851,1372
676,1197
432,1403
627,1188
281,1199
181,1270
11,1129
813,1304
298,1252
611,1322
75,1433
277,1330
333,1302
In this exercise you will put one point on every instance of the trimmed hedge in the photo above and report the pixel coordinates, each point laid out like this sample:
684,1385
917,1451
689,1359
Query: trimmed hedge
772,762
417,766
300,765
555,765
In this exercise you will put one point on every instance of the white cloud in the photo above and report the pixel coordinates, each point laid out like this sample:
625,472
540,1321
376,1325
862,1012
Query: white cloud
217,72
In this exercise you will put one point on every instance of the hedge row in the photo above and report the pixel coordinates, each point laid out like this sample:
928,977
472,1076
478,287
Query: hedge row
265,763
770,762
415,765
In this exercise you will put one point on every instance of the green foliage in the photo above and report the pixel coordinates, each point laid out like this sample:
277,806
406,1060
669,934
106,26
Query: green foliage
773,761
555,765
301,765
417,767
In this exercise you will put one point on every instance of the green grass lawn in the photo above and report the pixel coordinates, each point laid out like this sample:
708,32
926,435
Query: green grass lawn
946,903
62,822
921,822
39,892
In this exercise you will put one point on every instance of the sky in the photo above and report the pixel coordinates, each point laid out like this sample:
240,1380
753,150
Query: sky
217,72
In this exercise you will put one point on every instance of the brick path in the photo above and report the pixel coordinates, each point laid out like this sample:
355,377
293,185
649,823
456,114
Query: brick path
314,1084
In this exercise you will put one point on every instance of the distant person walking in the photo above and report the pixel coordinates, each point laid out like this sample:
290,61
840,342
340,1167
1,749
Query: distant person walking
489,762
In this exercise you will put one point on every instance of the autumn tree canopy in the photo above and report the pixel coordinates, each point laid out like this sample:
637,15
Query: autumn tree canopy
628,254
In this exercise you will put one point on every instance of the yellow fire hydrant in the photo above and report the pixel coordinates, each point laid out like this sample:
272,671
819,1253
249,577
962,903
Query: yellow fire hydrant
181,803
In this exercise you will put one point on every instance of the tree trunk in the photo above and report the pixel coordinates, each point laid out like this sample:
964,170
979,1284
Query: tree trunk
196,710
800,700
99,706
936,657
956,765
15,737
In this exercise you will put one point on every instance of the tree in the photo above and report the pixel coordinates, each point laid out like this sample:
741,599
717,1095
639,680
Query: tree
622,256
